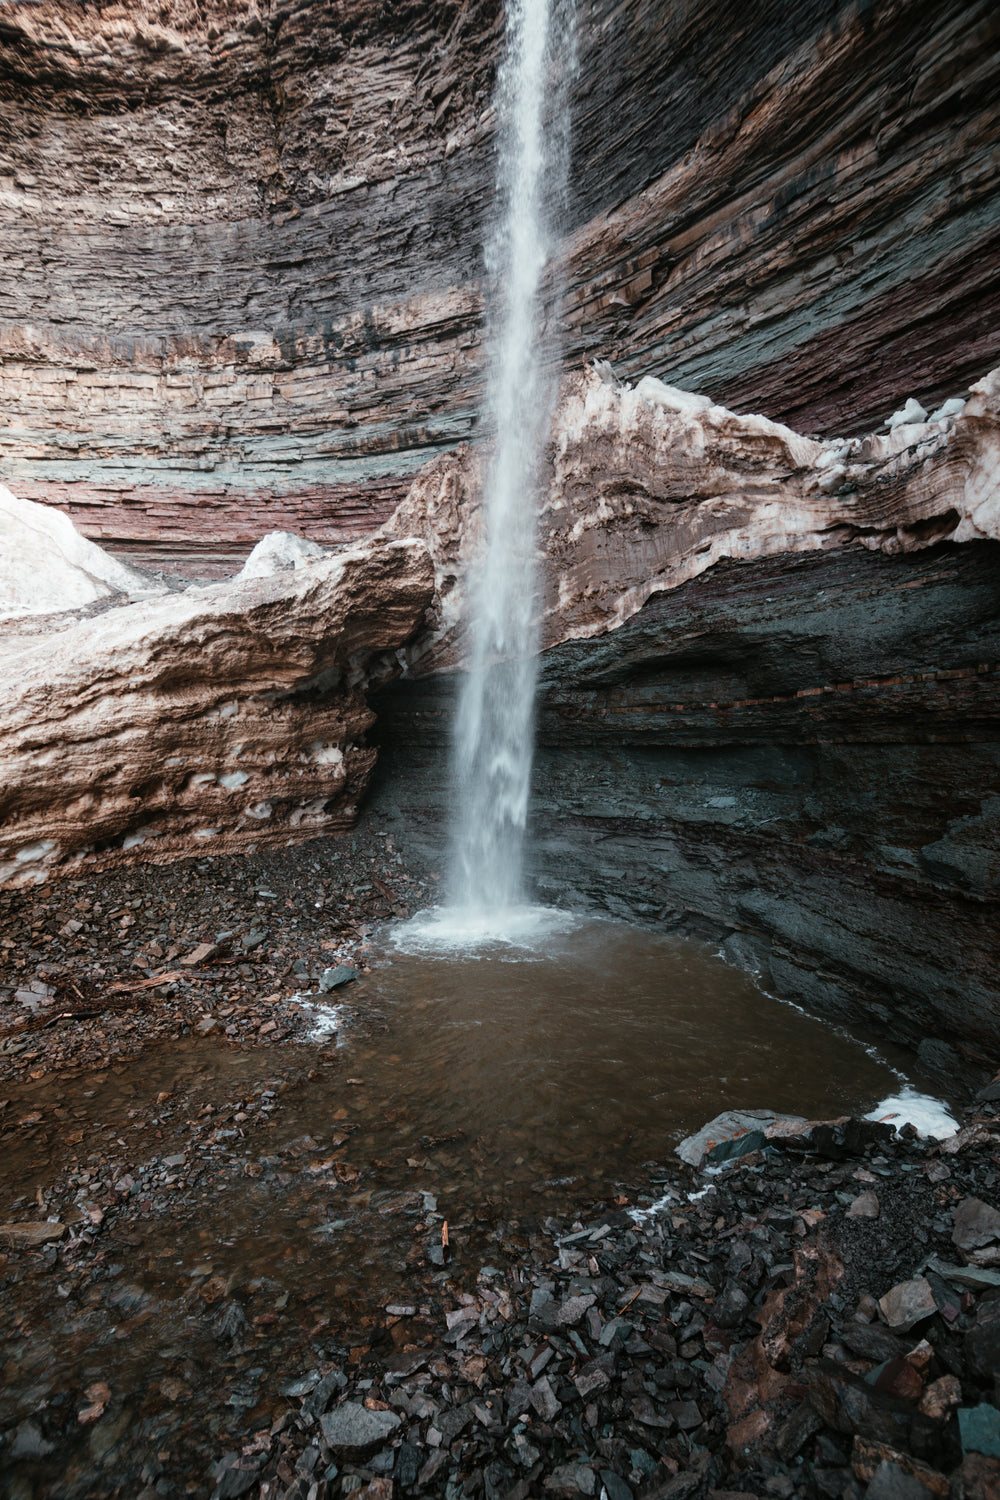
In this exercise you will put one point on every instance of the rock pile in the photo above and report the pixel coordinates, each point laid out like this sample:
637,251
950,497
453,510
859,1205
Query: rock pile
820,1318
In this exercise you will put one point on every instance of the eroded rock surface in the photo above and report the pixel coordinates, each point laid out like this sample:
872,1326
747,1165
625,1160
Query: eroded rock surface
650,487
768,709
242,245
224,718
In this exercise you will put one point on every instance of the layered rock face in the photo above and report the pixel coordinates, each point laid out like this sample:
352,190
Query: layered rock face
769,708
217,720
650,486
241,245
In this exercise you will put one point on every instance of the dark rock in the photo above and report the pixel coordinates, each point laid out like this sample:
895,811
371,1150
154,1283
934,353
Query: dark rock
730,1309
355,1430
871,1341
889,1482
979,1428
320,1398
238,1478
453,1421
332,979
408,1464
846,1403
982,1344
29,1442
615,1487
803,1424
977,1231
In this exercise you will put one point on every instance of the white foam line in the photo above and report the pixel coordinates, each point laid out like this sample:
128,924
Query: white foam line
447,929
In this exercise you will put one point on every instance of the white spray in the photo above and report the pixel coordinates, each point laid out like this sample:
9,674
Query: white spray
495,720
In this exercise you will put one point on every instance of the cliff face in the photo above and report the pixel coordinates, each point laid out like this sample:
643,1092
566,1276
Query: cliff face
796,757
769,703
241,289
241,245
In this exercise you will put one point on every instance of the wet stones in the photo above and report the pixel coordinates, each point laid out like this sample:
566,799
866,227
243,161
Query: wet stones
977,1232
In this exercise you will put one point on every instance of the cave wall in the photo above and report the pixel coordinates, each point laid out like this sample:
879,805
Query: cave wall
795,757
240,245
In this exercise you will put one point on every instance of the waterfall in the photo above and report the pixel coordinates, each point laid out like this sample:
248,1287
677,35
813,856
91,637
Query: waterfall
494,729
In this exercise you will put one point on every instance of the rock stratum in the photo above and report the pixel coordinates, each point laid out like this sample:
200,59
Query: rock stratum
769,710
241,276
226,718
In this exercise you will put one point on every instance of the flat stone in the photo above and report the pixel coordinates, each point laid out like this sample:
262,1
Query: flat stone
864,1207
30,1236
872,1341
908,1303
199,955
355,1430
571,1479
332,979
979,1429
977,1226
976,1277
29,1442
733,1133
890,1483
543,1399
572,1310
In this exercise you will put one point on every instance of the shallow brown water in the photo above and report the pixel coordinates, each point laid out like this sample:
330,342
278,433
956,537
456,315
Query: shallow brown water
483,1090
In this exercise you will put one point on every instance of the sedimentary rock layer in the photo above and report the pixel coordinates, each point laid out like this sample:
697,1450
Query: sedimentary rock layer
797,756
220,719
242,246
651,486
769,707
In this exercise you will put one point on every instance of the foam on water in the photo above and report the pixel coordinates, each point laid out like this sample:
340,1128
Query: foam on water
471,930
927,1115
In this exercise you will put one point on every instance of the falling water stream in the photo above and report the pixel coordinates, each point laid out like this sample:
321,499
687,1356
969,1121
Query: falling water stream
500,1060
494,728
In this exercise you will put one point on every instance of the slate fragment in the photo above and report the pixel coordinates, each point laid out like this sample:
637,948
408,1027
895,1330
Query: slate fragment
355,1430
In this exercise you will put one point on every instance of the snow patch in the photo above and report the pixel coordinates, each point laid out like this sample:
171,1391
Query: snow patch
954,407
906,415
927,1115
278,552
46,566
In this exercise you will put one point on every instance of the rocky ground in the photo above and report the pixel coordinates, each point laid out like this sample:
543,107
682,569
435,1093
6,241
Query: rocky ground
820,1320
817,1317
95,970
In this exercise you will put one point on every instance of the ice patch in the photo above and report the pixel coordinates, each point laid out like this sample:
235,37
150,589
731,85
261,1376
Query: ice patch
640,1215
951,408
927,1115
327,1020
450,929
653,392
47,566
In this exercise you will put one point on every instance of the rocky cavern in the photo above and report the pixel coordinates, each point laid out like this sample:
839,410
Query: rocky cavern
499,750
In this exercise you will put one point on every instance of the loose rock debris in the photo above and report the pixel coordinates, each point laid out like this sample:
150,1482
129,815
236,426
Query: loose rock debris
92,971
816,1313
740,1333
